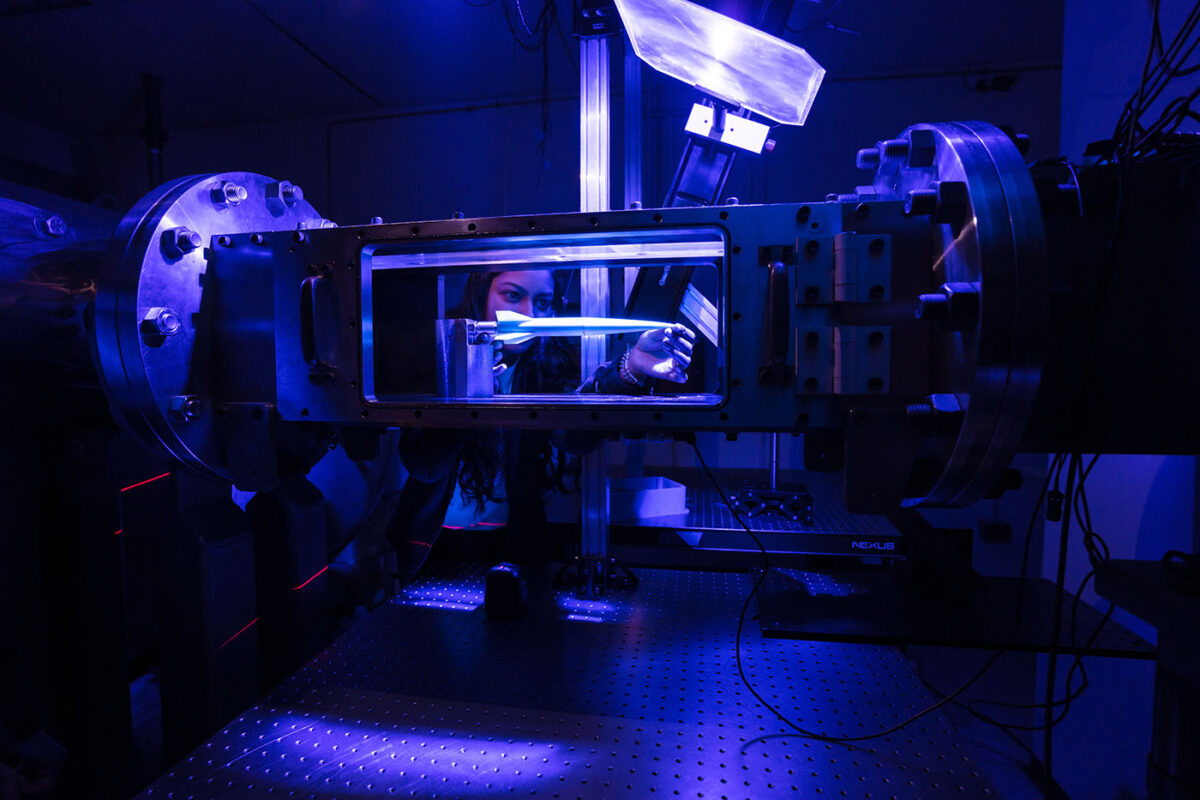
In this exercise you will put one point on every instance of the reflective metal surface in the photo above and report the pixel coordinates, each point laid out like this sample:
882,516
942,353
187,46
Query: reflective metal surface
156,263
724,57
995,240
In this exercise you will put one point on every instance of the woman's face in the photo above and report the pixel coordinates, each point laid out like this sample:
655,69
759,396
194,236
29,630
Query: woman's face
528,292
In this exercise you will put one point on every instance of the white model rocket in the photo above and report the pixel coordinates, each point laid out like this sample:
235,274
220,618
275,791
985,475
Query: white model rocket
514,328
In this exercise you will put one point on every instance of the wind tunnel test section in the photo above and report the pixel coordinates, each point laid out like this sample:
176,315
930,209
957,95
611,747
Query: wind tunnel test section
415,349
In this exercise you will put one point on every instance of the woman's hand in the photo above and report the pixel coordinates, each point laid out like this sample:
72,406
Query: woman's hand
663,353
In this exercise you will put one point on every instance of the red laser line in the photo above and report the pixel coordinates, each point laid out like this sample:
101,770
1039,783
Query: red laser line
239,633
118,532
148,480
310,580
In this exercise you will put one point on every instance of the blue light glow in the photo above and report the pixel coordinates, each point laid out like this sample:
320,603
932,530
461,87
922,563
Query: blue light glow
377,761
724,57
581,609
449,595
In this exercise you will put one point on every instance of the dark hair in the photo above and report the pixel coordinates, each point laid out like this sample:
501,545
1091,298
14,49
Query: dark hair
550,365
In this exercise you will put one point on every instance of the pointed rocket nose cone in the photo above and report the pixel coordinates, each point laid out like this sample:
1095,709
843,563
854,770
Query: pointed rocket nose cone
504,315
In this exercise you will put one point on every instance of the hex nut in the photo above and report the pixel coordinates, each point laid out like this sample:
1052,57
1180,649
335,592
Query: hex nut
282,195
161,322
176,242
922,148
52,226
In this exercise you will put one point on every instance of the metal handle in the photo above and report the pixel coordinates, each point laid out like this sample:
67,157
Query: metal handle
778,315
308,317
774,371
319,370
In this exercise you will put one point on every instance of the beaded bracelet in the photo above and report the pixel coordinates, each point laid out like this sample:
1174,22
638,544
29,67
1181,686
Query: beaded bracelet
626,373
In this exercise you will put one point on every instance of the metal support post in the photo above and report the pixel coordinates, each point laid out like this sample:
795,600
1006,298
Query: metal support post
594,196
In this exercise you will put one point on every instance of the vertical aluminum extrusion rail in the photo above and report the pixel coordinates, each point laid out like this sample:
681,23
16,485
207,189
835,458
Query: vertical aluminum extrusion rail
594,196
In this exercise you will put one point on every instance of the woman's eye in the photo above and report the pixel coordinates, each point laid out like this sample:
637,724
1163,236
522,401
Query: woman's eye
543,305
512,297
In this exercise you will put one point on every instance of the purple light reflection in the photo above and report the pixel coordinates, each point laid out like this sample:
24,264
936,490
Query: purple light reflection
448,595
372,760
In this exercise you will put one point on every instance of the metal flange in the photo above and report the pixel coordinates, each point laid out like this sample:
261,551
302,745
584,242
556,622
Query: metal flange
158,261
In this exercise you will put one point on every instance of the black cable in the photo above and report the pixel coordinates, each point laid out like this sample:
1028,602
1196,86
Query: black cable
1056,631
1055,467
741,623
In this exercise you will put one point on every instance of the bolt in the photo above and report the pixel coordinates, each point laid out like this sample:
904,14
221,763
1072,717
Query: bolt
298,236
893,150
867,158
811,294
876,246
812,339
955,305
875,338
635,205
225,241
939,412
834,197
228,193
769,145
811,384
282,195
874,384
932,307
876,292
186,408
919,412
802,214
862,209
459,215
376,220
52,226
731,201
176,242
257,238
812,247
160,322
920,202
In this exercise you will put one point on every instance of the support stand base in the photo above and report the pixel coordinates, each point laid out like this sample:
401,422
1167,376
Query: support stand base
593,576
